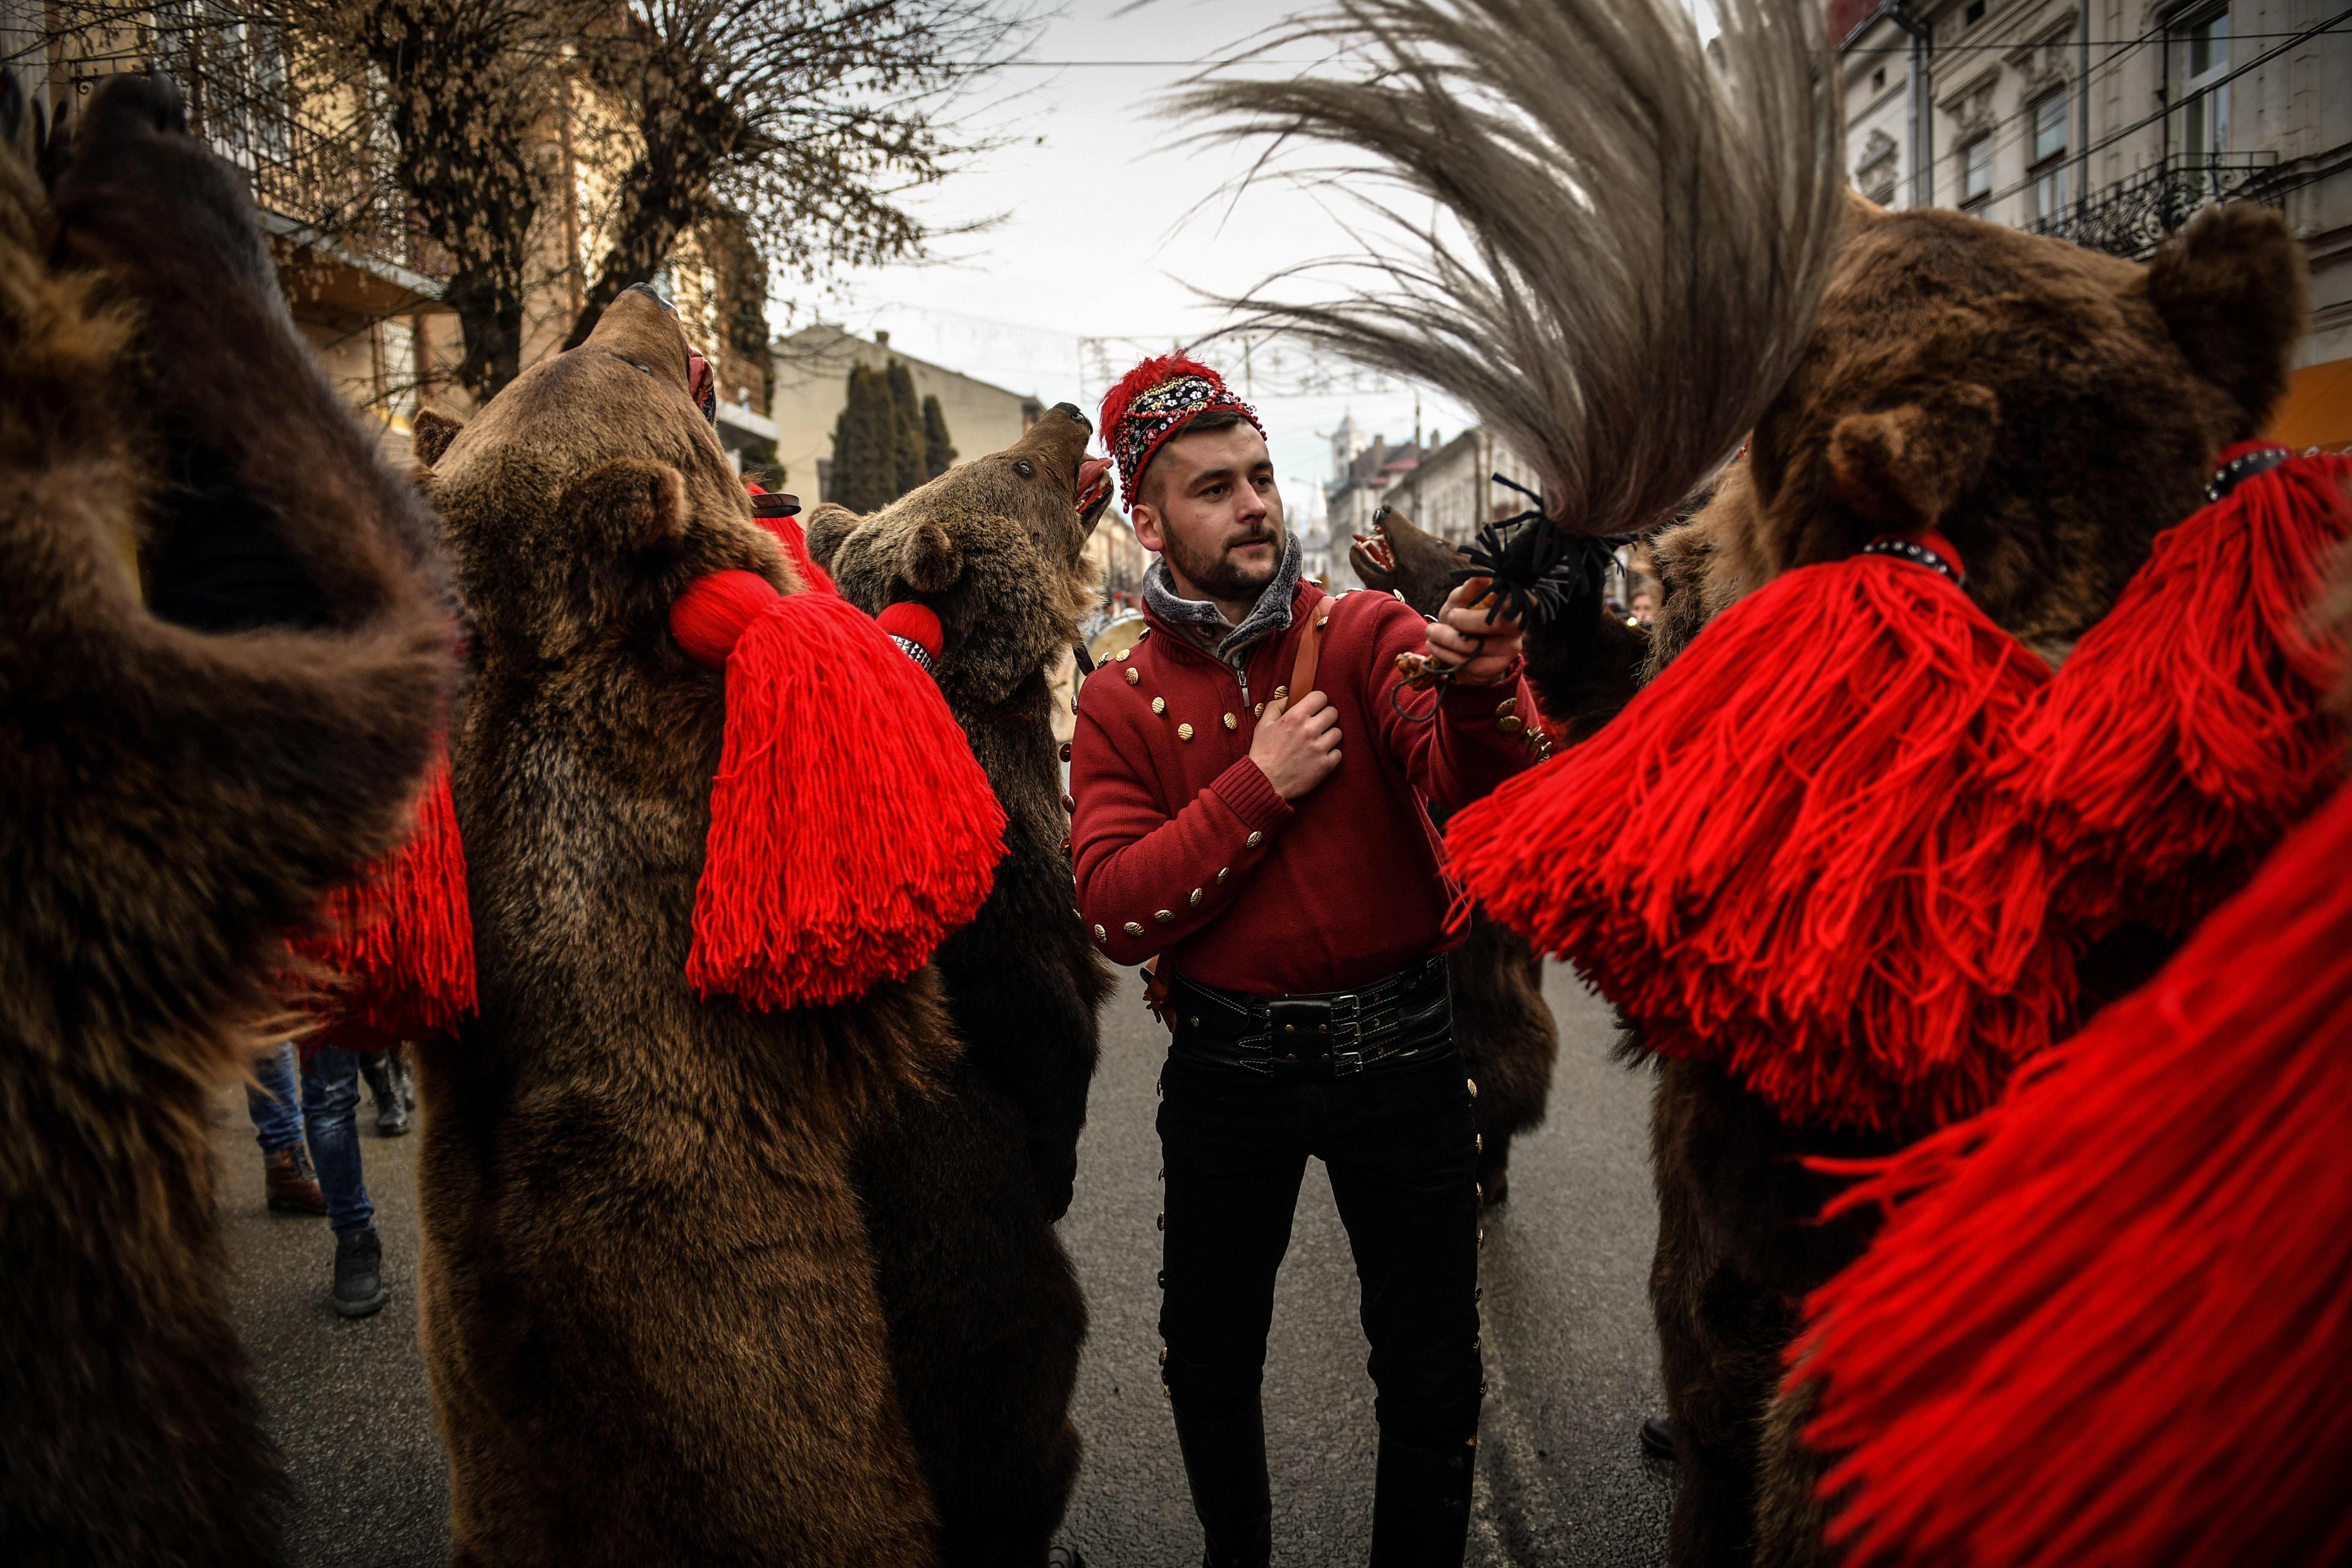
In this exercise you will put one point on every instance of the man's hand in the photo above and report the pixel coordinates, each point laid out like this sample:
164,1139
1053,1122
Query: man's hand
1460,637
1296,748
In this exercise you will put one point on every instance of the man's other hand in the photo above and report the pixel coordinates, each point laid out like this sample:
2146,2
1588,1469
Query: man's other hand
1296,748
1460,637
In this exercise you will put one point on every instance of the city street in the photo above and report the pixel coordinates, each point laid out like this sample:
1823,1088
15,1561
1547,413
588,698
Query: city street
1572,1363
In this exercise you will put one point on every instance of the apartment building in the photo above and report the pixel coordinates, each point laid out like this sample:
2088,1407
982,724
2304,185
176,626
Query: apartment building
2110,122
359,278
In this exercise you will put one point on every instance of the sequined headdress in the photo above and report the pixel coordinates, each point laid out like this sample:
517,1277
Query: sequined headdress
1154,401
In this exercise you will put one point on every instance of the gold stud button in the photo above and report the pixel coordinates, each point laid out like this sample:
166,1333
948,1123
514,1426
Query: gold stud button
1184,731
1258,711
1223,872
1134,677
1510,723
1134,929
1232,722
1507,707
1195,898
1254,840
1164,915
1474,1087
1101,935
1281,691
1121,655
1159,705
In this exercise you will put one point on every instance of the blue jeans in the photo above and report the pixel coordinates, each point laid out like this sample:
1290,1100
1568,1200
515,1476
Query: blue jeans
273,1102
331,1097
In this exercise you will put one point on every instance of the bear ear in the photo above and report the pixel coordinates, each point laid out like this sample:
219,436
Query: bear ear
2235,294
1906,466
824,529
928,560
630,503
430,435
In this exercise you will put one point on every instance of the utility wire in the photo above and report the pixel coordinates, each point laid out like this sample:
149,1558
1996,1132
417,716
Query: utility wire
2111,137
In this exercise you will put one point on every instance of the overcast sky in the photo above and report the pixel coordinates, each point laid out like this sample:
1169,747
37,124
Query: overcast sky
1108,227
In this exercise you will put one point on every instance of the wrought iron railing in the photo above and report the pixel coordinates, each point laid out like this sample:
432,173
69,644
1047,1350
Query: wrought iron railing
2135,216
334,184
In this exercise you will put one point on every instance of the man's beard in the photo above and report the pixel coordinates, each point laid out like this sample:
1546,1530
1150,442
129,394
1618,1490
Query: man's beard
1222,578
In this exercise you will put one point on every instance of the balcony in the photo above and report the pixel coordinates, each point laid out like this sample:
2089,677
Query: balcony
328,198
2133,217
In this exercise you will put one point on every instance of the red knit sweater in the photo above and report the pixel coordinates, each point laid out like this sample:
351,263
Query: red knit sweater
1183,847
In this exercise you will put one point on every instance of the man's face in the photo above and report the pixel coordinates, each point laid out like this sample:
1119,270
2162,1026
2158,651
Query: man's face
1209,505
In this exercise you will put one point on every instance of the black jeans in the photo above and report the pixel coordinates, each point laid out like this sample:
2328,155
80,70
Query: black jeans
1403,1159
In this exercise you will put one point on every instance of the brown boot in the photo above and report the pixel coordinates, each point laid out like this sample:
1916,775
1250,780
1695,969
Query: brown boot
293,1188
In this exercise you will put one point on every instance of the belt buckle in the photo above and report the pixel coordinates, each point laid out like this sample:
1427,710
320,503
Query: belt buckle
1347,1030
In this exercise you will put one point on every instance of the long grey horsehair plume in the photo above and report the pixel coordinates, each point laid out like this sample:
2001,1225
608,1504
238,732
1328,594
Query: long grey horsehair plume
1630,232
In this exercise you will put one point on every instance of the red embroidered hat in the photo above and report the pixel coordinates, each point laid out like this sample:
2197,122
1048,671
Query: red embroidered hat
1154,401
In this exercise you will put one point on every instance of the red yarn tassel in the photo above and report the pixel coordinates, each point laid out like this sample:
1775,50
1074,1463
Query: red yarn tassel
1782,856
2186,733
2111,1322
851,831
402,935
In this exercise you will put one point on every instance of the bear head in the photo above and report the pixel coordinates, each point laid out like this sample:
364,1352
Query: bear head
995,547
2046,408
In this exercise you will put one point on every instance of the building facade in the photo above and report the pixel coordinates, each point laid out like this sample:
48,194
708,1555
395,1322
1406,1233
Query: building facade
361,280
811,386
1452,493
2110,122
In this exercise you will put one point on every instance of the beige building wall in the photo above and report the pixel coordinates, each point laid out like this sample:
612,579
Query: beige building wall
813,384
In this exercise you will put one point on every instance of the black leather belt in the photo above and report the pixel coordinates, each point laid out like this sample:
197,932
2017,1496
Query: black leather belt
1397,1019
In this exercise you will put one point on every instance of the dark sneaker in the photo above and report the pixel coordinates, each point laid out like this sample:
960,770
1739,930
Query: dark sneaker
1658,1437
358,1274
291,1186
1064,1557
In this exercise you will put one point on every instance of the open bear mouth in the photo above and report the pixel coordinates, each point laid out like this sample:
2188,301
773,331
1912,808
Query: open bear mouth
1373,548
1094,484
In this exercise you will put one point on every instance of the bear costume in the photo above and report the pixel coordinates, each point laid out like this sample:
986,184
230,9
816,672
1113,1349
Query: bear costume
648,1305
961,1189
186,779
2052,505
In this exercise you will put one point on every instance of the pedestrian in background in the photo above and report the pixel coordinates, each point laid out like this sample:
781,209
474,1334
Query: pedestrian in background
325,1116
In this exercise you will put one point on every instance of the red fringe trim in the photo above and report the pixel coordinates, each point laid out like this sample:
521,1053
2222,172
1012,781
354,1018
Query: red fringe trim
2111,1322
2187,732
1782,856
403,934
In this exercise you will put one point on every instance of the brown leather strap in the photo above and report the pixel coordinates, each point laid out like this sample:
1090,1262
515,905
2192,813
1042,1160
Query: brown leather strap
1310,650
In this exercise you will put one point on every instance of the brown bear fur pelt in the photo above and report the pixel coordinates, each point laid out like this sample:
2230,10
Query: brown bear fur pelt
649,1312
2055,409
180,797
986,1318
1501,1021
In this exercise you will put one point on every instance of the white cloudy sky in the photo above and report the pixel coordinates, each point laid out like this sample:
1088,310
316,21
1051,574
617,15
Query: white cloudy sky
1108,228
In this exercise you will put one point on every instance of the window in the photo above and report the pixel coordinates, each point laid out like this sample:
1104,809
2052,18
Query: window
2199,58
1976,173
1975,12
1878,78
2048,169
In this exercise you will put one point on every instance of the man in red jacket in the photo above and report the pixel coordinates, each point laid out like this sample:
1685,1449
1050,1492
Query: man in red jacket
1272,848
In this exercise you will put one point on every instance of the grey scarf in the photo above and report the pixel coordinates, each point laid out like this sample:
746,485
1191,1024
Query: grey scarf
1203,620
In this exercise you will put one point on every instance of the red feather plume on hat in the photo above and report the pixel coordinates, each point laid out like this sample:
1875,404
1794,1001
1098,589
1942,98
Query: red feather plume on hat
1132,436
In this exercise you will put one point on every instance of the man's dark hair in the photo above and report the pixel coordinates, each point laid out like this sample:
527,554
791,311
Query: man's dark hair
1207,419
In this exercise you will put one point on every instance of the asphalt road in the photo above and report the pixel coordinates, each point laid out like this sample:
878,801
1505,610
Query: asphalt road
1571,1361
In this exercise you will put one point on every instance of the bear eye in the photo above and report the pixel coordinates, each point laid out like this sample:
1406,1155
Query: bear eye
1024,468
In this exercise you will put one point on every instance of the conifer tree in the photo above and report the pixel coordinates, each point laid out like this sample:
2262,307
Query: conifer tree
907,428
864,477
939,455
